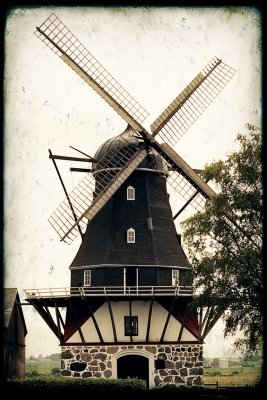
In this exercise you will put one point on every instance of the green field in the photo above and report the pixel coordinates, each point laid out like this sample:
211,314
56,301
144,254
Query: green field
41,367
236,376
226,377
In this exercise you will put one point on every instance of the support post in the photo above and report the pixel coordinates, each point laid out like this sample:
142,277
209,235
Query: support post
94,320
112,321
46,318
200,324
66,193
130,312
205,319
167,320
77,321
182,324
149,319
218,313
58,322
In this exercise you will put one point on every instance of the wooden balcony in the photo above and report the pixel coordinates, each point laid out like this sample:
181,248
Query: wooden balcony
108,291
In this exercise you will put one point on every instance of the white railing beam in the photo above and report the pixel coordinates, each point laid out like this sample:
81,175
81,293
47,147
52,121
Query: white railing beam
109,291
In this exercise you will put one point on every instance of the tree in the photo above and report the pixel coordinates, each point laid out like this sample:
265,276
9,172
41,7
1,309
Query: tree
227,256
55,356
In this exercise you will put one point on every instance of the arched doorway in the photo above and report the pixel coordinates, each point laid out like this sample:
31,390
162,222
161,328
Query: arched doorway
133,366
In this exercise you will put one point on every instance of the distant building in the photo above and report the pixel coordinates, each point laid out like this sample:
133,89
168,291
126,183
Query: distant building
15,332
223,363
234,362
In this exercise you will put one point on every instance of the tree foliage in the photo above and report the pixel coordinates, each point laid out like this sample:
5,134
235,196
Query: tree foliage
227,256
54,356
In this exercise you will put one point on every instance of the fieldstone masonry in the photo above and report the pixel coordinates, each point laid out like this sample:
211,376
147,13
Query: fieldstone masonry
183,363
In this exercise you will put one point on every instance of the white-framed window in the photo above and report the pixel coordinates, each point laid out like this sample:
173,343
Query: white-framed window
130,235
87,277
175,277
130,193
131,326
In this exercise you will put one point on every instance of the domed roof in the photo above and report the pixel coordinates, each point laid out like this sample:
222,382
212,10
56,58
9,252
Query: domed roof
129,135
126,140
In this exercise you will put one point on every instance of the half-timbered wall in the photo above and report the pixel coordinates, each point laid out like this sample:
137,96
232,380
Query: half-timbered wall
140,309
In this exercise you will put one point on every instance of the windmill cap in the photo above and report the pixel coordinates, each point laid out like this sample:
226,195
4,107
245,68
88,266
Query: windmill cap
110,153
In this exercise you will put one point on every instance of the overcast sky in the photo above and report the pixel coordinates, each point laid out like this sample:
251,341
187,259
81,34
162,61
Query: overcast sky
153,53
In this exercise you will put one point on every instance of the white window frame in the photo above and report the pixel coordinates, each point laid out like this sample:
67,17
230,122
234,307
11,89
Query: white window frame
175,277
130,235
131,325
87,277
130,193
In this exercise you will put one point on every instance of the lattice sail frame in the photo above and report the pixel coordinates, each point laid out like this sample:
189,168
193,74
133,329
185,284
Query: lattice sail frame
186,108
63,43
175,120
180,183
89,190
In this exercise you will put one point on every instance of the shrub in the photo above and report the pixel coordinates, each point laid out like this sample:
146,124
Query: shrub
213,373
68,386
55,371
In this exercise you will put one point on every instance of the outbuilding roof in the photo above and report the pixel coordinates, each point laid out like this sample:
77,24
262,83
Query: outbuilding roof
11,299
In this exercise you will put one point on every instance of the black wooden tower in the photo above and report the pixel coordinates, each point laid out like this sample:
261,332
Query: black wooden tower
128,307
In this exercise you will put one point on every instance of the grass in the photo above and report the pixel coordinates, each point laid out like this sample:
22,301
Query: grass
42,367
236,376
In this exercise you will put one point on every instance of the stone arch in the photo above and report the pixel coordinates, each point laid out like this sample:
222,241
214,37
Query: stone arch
134,352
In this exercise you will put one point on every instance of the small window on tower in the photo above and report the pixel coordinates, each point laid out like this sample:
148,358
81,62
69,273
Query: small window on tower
175,277
130,193
131,235
131,326
87,277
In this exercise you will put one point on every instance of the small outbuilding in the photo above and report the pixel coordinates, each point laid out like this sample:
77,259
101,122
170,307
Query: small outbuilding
15,332
223,363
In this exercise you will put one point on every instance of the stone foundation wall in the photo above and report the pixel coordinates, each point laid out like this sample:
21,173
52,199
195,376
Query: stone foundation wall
183,363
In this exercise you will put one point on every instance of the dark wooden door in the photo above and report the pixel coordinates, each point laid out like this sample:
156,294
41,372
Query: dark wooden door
131,276
133,366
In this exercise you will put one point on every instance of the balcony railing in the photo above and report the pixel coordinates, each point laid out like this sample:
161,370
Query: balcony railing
106,291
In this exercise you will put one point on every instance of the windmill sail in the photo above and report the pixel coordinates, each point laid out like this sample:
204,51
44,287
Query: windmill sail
182,177
186,108
63,43
90,196
186,190
81,197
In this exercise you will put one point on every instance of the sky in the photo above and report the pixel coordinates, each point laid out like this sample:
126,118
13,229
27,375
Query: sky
153,53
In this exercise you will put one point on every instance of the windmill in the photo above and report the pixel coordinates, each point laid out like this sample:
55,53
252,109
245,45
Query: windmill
130,288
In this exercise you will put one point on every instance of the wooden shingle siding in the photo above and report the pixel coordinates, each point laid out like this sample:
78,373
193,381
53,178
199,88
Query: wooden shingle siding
105,241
